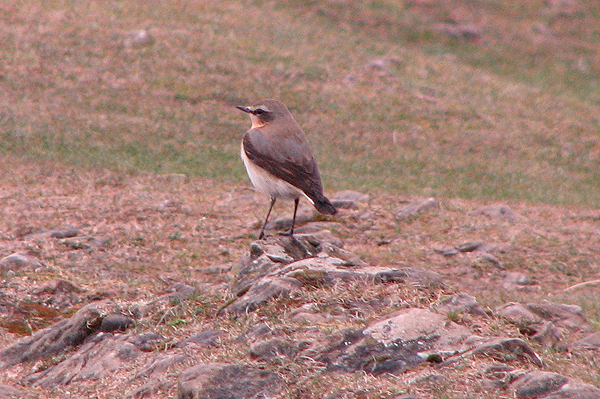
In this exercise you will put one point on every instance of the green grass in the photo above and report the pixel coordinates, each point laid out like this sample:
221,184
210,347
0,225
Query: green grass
512,116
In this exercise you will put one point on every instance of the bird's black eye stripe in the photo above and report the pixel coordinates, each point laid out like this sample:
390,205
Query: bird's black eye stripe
260,111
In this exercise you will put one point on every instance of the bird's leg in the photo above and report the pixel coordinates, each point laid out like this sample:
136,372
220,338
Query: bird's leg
262,231
296,201
291,232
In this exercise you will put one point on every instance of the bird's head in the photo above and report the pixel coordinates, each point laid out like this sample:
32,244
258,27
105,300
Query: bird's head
265,112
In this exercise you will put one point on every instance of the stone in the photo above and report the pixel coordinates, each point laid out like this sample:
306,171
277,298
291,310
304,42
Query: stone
461,303
504,349
8,392
64,233
531,317
20,261
154,374
138,39
116,322
100,356
205,339
350,195
218,380
538,384
547,335
53,340
407,275
502,212
260,293
259,331
353,351
415,324
304,215
589,342
417,208
273,348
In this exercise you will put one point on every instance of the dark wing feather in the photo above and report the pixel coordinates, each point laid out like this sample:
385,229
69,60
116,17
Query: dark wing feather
298,168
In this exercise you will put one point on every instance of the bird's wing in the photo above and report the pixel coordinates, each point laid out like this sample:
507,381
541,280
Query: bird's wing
291,163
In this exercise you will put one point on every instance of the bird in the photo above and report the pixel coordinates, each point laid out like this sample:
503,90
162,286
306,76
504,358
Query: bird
279,159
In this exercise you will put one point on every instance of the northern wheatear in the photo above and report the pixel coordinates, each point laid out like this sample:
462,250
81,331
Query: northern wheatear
279,160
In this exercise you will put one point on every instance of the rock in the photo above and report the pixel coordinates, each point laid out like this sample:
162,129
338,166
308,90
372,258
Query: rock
531,317
499,212
460,303
538,384
58,337
273,348
115,322
504,349
99,356
409,275
218,380
8,392
349,195
517,281
353,351
204,339
497,375
547,335
19,261
64,233
138,39
459,31
436,332
261,330
64,286
590,342
570,317
155,374
148,342
417,208
304,215
260,293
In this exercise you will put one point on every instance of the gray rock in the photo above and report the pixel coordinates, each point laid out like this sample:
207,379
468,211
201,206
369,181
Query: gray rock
116,322
100,356
273,348
460,303
505,349
350,195
58,337
8,392
353,351
259,331
415,324
532,316
304,215
64,233
154,374
538,384
409,275
205,339
499,212
547,334
260,293
20,261
218,380
417,208
590,342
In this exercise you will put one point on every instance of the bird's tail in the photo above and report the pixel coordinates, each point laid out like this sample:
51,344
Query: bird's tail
324,206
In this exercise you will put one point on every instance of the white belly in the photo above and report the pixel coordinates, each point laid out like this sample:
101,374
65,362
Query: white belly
268,184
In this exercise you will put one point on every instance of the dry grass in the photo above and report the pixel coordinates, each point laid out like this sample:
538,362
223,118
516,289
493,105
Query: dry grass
446,123
140,235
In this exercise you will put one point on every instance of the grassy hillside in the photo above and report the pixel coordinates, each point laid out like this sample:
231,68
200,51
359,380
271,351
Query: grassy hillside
459,99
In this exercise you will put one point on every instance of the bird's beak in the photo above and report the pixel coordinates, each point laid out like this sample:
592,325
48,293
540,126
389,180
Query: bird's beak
245,109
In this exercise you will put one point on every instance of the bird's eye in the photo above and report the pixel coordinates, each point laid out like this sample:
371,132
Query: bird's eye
259,111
